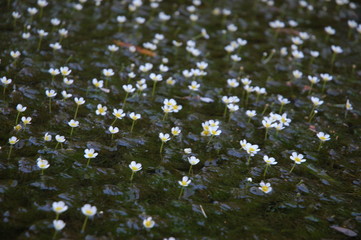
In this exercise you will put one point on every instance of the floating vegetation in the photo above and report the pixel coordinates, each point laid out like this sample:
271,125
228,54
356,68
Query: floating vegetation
182,119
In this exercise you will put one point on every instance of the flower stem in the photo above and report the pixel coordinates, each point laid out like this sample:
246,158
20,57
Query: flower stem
87,164
42,172
181,192
281,108
248,160
333,59
39,43
76,111
131,177
131,129
323,86
225,111
113,122
265,170
319,147
210,139
49,105
17,119
84,224
125,99
190,170
309,92
265,108
265,135
153,91
294,165
54,235
165,116
11,148
71,131
161,147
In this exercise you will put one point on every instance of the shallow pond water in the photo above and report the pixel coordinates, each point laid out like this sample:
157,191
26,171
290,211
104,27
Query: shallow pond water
318,199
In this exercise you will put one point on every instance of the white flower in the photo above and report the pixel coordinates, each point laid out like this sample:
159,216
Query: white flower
15,15
297,74
90,153
55,21
314,54
175,131
148,223
47,137
20,108
63,32
55,46
282,100
134,116
113,130
164,137
155,77
65,71
232,107
113,48
313,79
54,71
193,160
251,149
101,110
15,54
42,3
58,224
336,49
68,81
128,88
251,113
185,181
50,93
118,113
348,105
42,33
42,163
59,207
316,101
32,11
265,187
233,83
326,77
297,158
5,81
297,54
194,86
13,140
72,123
108,72
79,101
329,30
135,167
60,139
323,136
277,24
98,84
121,19
187,150
89,210
269,160
26,120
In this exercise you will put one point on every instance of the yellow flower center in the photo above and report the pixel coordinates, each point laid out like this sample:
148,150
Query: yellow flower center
134,168
264,188
90,212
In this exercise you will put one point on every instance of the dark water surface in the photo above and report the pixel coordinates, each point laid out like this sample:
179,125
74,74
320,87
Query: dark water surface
320,199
